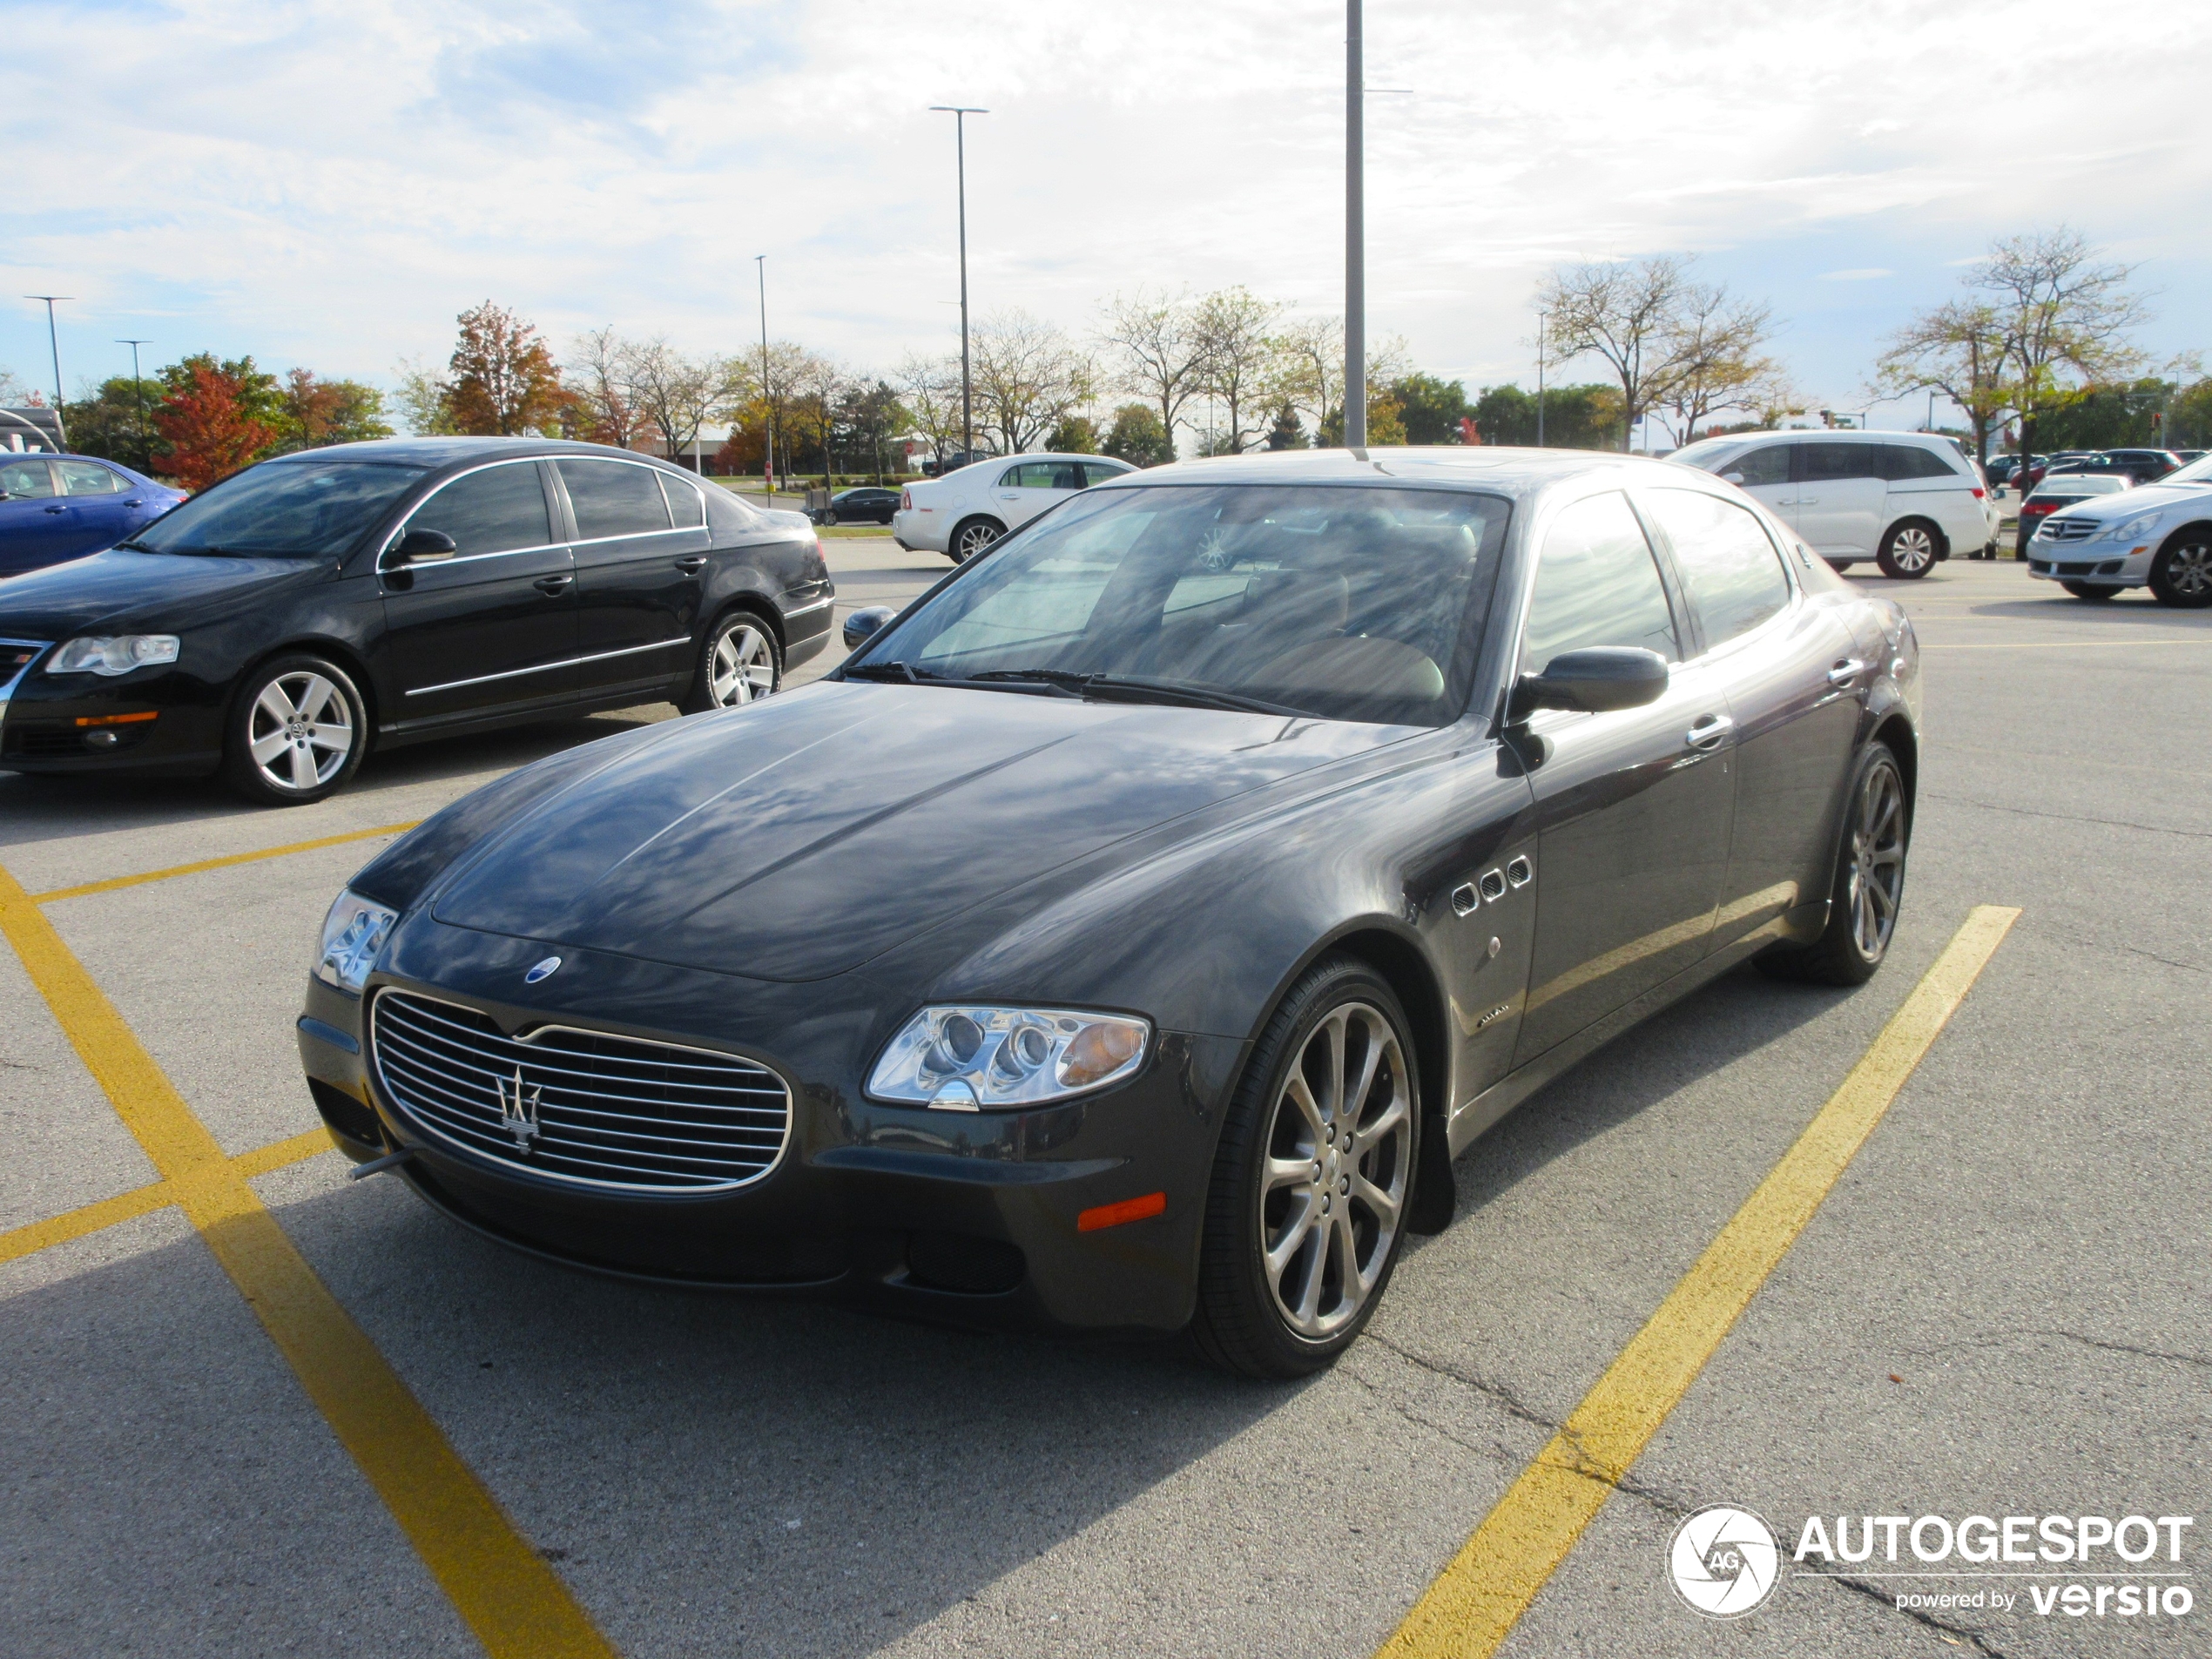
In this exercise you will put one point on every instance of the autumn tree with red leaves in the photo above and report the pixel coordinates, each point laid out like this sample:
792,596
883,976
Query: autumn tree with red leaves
505,382
208,419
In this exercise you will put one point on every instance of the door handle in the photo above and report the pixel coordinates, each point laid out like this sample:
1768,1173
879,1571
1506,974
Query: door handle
691,563
1806,501
58,509
1709,733
134,504
1009,495
553,585
1845,671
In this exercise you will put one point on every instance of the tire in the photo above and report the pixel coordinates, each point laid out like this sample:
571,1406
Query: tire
1910,550
1869,888
296,732
2088,590
1336,1235
741,662
2181,574
828,517
972,536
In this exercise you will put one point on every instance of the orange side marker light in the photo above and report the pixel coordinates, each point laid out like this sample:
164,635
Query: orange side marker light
1113,1215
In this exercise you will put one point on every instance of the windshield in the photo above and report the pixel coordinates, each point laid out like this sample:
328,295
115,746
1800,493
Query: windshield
2196,472
1706,451
1348,603
304,508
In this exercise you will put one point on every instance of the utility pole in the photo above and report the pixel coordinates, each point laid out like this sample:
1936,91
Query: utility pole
767,401
138,386
1355,234
1540,380
960,112
53,342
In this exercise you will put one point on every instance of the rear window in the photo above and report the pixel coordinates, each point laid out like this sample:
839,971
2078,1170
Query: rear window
614,498
1906,461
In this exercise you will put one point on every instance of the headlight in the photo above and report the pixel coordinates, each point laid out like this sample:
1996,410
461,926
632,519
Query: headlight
2142,524
991,1059
111,656
352,934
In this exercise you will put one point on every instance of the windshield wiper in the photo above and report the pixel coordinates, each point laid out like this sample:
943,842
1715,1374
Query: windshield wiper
138,547
1137,688
907,674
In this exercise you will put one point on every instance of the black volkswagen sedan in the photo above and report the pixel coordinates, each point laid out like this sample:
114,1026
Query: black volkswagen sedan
866,504
1128,937
279,625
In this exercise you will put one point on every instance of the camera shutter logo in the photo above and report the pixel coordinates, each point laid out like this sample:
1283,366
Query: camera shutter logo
1723,1561
518,1111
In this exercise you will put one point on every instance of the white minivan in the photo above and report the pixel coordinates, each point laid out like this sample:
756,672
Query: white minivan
964,512
1907,500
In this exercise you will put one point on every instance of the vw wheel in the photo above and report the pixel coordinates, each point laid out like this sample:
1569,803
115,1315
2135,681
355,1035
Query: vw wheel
297,731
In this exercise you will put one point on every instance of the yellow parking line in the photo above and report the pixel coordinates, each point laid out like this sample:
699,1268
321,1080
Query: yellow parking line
29,1239
517,1606
1474,1603
110,885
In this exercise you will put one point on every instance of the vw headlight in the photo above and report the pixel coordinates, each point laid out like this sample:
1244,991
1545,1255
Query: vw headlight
2142,524
352,934
993,1059
109,656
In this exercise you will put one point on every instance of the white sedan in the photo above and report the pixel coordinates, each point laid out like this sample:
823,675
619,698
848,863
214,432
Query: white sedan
964,512
2158,536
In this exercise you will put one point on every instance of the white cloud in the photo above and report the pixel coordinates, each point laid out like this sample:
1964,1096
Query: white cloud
1865,273
329,183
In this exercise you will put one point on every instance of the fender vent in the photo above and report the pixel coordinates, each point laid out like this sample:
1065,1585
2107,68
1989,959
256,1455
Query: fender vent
1520,873
1493,884
1465,898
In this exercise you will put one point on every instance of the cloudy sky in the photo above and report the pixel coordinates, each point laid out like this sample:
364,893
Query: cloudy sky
327,184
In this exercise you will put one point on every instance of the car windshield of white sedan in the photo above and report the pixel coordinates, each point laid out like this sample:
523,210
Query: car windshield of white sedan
1347,603
283,509
2197,472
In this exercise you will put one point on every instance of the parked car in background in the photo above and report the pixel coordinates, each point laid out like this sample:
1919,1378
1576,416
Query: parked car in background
1907,500
1130,936
2140,465
2004,470
57,507
2157,536
275,626
2063,491
964,512
869,504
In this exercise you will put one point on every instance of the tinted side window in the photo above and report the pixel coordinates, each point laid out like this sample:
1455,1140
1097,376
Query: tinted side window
1597,585
683,503
89,478
20,478
1768,464
1832,462
613,498
1909,461
1046,475
492,511
1734,577
1097,472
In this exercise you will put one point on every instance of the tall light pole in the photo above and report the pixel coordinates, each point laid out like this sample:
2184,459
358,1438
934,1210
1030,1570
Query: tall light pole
54,344
960,112
1540,380
767,399
1355,234
138,386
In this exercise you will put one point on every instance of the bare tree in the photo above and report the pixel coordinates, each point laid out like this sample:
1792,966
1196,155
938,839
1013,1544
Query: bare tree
2067,319
1159,351
1237,349
818,384
1958,349
599,371
1713,357
1627,315
931,390
672,393
1027,376
1308,371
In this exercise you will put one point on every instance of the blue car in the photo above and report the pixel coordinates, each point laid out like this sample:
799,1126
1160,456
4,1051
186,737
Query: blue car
54,508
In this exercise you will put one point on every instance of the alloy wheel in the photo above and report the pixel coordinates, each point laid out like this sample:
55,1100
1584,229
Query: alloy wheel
2188,572
743,668
1877,859
302,732
1340,1148
973,539
1912,549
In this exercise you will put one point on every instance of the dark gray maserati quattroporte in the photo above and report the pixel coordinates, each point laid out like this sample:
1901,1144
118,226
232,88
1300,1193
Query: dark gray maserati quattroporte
1130,935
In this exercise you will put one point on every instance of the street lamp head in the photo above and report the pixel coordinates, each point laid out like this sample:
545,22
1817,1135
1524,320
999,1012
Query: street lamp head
956,109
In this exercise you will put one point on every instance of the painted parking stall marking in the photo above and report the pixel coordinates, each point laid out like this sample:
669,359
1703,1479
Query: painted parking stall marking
515,1604
1482,1593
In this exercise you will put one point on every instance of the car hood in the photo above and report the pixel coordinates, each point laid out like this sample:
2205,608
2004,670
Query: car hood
796,839
123,591
2145,498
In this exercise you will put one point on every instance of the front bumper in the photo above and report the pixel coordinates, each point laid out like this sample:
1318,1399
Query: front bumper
970,1217
2104,564
159,719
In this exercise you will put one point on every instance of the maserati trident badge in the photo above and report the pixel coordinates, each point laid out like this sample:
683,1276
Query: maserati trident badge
518,1112
545,970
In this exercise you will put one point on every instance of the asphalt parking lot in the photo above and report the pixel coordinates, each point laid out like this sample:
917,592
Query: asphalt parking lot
1998,1309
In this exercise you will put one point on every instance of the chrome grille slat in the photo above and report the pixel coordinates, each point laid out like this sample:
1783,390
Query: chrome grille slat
609,1110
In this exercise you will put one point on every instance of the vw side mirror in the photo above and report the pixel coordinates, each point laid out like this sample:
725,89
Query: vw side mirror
1594,681
423,547
866,624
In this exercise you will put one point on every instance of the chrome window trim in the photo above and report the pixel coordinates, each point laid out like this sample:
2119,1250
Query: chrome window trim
668,482
547,668
443,484
791,1098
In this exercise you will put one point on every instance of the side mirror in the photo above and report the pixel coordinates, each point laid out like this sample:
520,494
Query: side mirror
423,547
1732,477
1594,681
866,624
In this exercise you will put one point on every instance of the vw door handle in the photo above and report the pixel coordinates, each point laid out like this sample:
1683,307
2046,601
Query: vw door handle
1710,733
691,564
58,509
1845,671
553,586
